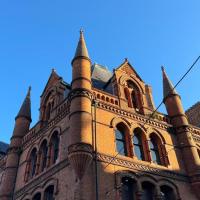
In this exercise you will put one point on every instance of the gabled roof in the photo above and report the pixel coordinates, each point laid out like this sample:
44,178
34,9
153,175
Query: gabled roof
128,68
54,77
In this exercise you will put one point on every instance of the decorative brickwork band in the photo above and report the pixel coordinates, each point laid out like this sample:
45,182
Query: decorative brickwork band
80,157
80,92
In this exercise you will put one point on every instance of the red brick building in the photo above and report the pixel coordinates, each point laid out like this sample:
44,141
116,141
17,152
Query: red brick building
99,138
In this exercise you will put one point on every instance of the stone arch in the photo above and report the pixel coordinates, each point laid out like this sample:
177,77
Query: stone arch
55,129
148,178
26,197
36,190
49,182
125,173
170,184
138,125
155,131
117,120
124,78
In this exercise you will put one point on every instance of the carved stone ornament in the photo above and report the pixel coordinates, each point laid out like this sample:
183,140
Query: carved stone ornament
80,92
80,157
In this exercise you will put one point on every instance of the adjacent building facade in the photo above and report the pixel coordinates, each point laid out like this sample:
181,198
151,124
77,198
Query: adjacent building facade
99,138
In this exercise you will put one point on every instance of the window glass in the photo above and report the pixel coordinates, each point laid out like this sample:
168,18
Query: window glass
154,150
167,193
37,197
138,148
128,189
33,162
148,191
120,142
48,194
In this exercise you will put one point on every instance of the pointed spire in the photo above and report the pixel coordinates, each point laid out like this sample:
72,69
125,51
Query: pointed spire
25,110
168,87
81,50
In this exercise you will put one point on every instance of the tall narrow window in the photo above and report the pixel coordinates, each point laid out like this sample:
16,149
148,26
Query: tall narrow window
167,193
33,163
37,197
134,99
128,189
138,146
148,191
48,194
135,95
55,141
120,141
155,156
44,150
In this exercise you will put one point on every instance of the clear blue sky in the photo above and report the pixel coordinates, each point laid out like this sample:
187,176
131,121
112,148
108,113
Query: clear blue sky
36,36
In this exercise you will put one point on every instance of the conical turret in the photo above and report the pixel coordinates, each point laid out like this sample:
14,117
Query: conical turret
22,125
25,110
80,148
81,50
168,87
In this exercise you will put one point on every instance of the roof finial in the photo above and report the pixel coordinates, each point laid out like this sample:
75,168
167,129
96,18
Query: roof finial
81,30
81,50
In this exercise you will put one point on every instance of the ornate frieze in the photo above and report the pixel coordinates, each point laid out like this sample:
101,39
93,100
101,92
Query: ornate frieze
141,167
140,118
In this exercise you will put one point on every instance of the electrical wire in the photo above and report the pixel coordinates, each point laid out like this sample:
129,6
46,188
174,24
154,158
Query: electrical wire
190,68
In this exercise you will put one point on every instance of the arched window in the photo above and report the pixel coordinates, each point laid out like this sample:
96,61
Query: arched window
54,145
148,191
43,152
33,163
135,95
138,145
37,197
48,193
167,193
128,189
155,154
121,140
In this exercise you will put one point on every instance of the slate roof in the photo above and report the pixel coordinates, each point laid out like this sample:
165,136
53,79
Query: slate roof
3,148
100,76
